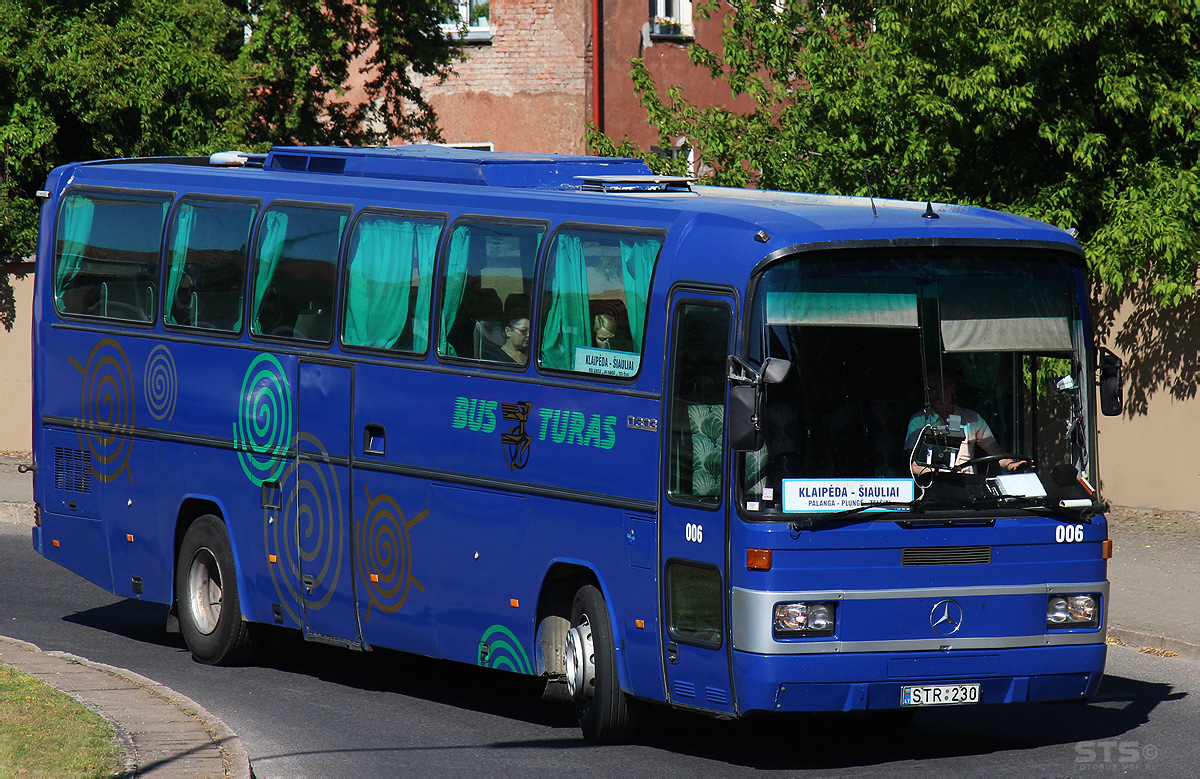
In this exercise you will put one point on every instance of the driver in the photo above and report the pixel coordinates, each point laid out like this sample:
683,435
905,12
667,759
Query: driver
979,440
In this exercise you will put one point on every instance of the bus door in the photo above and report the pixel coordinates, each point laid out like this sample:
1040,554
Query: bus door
694,510
319,502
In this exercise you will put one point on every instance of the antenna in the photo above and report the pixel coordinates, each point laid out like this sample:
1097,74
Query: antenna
872,197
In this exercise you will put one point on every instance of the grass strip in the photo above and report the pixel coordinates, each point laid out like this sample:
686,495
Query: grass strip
45,732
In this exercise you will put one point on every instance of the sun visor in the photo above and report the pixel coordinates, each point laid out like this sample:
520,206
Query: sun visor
998,314
875,306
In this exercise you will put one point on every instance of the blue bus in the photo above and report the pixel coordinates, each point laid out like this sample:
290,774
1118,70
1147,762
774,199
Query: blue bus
657,443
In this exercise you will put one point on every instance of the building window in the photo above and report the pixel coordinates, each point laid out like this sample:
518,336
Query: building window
671,19
472,22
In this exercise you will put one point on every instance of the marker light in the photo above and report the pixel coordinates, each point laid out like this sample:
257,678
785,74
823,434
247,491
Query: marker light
1072,611
801,620
758,559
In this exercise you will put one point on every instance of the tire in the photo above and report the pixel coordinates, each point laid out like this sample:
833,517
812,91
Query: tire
210,616
605,714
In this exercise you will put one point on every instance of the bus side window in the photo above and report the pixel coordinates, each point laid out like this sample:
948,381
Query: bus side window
389,282
207,247
594,297
295,271
106,254
697,436
487,277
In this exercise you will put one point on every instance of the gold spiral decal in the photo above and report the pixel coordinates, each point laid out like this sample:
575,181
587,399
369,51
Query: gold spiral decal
385,554
161,383
107,409
308,535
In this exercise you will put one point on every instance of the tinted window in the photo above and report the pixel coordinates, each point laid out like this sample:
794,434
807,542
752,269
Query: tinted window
694,604
697,444
106,254
594,301
487,282
295,271
206,264
389,282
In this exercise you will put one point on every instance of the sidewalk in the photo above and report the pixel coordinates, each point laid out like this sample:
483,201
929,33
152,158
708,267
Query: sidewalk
162,733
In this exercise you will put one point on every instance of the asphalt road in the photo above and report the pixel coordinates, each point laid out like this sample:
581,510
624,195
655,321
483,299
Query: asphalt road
320,711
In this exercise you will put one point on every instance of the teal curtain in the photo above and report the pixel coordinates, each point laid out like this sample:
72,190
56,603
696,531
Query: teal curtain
567,326
75,227
427,241
185,220
380,281
274,230
637,265
456,283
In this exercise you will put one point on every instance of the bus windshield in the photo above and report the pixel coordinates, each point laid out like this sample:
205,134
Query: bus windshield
916,377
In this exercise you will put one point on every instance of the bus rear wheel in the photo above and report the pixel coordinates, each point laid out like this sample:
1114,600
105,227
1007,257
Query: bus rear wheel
605,714
210,616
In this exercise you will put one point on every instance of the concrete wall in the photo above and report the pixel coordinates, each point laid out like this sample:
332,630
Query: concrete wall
16,394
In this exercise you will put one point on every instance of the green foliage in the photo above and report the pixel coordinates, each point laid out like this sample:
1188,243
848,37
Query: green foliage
94,79
1085,115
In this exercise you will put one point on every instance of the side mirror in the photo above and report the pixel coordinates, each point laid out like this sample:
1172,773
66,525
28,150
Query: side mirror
775,370
1111,391
745,435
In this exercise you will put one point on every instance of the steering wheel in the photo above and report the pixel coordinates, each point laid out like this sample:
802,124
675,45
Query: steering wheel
992,458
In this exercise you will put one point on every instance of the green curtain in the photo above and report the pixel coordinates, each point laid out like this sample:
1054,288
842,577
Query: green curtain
637,265
274,230
427,241
567,322
380,281
75,227
456,284
185,220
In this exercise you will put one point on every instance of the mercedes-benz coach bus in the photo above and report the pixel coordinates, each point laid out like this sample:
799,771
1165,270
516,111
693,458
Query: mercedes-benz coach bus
723,450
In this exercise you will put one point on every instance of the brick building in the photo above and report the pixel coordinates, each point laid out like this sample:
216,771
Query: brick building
539,70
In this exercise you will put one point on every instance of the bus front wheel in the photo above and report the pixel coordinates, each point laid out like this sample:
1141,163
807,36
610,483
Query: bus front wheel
606,715
210,616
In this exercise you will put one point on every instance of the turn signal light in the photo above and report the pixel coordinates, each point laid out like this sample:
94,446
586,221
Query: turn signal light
758,559
1106,549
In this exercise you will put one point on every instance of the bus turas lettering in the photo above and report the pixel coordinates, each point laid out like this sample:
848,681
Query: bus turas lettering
476,415
573,427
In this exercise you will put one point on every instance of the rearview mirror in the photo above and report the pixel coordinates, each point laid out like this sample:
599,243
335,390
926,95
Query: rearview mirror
745,435
1111,391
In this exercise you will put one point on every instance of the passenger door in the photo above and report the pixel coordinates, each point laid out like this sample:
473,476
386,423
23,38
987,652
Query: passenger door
318,486
694,510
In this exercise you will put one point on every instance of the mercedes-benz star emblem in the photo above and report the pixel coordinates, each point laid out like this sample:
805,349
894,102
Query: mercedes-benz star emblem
946,617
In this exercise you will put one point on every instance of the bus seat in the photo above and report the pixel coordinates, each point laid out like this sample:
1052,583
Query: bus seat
489,337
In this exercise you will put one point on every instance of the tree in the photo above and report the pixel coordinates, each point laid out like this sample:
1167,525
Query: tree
1085,115
94,79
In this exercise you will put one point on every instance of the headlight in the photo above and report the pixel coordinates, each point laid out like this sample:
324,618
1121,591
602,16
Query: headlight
1073,611
804,619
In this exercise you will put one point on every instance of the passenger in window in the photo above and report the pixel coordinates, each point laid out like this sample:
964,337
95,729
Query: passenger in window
604,334
516,340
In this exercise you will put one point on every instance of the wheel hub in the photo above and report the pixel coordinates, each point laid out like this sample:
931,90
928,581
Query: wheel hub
581,661
204,591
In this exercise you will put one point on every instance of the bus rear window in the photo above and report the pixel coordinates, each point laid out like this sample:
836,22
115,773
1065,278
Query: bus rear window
106,254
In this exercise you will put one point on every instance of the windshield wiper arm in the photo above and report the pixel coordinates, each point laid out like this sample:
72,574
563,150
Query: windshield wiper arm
817,520
1083,516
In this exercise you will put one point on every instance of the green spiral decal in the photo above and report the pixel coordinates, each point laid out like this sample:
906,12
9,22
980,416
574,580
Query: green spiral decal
499,648
161,383
385,554
263,430
107,409
308,535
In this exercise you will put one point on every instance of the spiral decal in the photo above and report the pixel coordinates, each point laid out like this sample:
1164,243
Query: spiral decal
385,554
499,648
161,383
308,537
107,410
263,430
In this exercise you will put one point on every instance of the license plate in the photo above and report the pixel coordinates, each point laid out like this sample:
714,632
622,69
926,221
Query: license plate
939,695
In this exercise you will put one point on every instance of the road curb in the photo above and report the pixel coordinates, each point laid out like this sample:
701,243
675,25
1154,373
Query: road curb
181,741
1147,640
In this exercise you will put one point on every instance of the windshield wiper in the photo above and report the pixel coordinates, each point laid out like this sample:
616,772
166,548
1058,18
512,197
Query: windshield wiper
817,520
1082,516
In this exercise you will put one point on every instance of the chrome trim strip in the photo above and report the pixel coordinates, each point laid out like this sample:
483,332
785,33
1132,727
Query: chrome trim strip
752,613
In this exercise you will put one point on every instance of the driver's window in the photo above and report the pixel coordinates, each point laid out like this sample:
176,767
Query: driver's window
696,460
295,271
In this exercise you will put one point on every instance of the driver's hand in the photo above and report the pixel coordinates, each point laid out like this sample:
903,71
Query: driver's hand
1013,466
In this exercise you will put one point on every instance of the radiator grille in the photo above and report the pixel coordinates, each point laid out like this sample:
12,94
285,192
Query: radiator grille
72,470
947,555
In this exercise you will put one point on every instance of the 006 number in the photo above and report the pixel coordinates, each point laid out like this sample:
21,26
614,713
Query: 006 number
694,533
